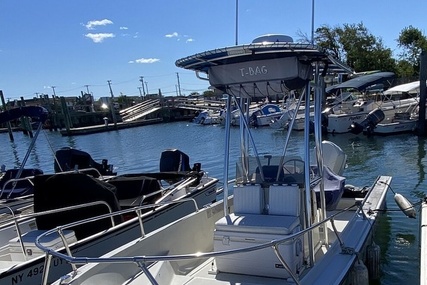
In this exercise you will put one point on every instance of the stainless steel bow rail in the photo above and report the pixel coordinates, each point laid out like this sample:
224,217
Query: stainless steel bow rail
14,182
18,219
143,261
50,253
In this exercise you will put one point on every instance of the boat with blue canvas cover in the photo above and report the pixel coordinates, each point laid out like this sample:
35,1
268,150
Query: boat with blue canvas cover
150,200
82,188
275,228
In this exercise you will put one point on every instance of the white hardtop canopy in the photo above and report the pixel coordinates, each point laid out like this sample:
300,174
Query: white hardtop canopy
412,87
262,67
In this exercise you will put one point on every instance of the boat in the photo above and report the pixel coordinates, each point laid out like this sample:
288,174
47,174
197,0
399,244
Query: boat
376,123
403,122
274,228
208,117
265,114
339,117
259,114
148,200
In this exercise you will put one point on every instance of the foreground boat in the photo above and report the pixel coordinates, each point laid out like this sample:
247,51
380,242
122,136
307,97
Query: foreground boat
284,223
150,200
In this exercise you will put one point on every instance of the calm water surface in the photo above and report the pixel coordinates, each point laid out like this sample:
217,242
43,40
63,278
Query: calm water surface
138,150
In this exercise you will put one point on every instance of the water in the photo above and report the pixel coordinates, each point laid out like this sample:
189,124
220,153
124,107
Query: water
138,150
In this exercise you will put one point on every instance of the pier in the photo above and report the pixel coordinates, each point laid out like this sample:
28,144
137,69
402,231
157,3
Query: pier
153,110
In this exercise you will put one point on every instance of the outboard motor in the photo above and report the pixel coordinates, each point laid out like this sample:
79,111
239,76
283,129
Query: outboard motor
372,119
174,160
68,159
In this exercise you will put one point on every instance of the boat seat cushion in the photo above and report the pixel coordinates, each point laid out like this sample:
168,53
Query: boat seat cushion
284,200
262,224
248,199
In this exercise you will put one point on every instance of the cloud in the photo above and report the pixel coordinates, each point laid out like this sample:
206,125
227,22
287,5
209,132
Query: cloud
92,24
145,60
173,35
179,37
99,38
123,28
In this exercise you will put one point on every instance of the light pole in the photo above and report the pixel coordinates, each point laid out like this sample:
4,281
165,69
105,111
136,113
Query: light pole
113,111
141,78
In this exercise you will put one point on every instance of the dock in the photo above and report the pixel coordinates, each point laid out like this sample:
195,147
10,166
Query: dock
152,111
108,128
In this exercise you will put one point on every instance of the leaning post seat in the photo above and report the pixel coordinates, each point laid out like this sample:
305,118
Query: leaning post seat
248,199
250,225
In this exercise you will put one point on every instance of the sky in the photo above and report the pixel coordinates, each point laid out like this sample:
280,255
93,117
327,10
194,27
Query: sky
68,47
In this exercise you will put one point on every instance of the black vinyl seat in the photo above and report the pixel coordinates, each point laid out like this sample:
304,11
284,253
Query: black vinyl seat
62,190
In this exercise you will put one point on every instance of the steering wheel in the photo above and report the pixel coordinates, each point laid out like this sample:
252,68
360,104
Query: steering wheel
293,166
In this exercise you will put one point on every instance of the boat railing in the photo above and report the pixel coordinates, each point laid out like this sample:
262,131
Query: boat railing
143,261
169,191
14,182
18,219
60,230
90,170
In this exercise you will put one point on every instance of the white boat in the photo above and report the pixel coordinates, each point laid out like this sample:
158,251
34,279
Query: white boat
341,116
275,228
148,200
259,115
265,114
401,123
208,117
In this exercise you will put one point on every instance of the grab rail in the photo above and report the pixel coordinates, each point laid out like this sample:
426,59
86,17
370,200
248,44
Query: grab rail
52,252
141,260
15,181
19,219
83,170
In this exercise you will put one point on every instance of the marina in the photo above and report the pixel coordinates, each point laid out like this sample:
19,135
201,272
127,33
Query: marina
295,158
281,202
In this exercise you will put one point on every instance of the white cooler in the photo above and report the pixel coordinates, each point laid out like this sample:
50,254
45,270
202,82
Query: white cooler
242,231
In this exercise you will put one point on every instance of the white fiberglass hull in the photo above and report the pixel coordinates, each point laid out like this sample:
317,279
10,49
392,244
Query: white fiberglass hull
30,272
195,234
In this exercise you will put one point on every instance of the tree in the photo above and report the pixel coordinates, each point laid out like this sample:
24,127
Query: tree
413,42
208,93
356,46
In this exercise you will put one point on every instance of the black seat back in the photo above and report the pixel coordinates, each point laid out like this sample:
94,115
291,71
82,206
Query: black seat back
62,190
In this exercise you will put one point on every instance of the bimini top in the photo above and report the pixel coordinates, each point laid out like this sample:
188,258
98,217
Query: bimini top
412,87
362,82
261,68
